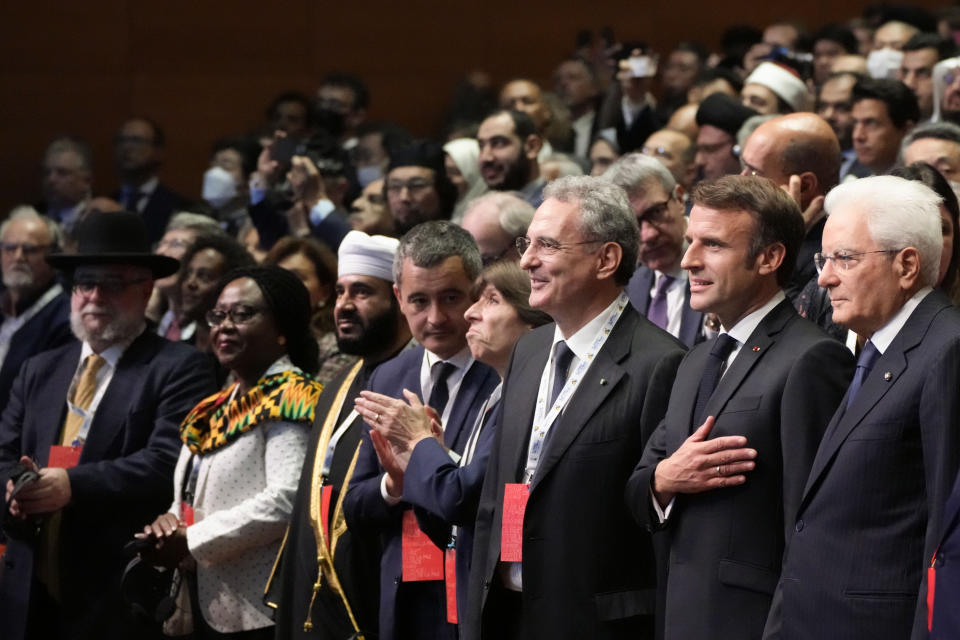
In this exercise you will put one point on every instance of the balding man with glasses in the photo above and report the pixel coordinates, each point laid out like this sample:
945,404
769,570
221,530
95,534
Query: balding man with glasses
869,518
97,420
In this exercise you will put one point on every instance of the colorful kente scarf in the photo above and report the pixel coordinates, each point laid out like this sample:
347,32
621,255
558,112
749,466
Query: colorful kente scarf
289,396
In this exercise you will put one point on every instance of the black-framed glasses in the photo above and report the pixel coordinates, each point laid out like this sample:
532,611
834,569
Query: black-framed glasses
240,314
28,248
489,258
546,246
415,185
106,287
842,261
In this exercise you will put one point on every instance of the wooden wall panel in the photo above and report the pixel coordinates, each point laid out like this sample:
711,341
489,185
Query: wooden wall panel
209,69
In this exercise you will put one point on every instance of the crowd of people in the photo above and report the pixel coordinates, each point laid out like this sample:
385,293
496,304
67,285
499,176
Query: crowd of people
667,350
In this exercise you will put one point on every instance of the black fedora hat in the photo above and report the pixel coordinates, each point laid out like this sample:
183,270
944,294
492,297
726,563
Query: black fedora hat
114,238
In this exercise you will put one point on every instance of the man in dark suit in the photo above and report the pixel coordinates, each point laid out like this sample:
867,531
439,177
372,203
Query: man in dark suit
869,516
369,325
139,149
36,311
98,419
580,398
782,379
659,288
434,271
943,592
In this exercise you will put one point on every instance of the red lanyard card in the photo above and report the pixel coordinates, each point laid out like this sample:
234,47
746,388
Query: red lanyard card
64,457
326,493
187,515
515,498
422,560
450,572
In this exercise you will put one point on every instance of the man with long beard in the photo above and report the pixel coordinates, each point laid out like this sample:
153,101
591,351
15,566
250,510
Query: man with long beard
98,421
318,548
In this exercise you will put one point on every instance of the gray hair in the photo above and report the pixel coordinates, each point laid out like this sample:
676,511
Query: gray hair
633,171
77,146
185,220
899,213
515,212
750,125
605,215
565,164
26,212
938,130
430,243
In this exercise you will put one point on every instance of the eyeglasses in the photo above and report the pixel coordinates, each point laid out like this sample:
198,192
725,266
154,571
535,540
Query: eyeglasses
658,152
843,261
240,314
656,214
489,258
174,243
950,76
413,186
106,287
27,248
546,246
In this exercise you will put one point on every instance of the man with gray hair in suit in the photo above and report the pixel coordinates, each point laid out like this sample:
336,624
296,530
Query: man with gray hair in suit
869,517
659,288
496,220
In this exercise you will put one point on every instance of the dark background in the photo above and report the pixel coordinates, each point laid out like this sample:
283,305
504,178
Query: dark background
207,69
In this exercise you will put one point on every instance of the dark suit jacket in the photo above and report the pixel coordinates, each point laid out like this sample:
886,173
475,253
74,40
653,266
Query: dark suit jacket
587,567
450,495
161,205
691,322
123,480
48,329
806,269
870,513
779,392
946,613
365,508
271,224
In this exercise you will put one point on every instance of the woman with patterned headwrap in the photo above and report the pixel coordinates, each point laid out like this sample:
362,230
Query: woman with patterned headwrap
237,474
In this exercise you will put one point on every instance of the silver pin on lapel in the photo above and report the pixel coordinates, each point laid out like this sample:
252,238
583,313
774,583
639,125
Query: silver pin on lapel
603,381
888,376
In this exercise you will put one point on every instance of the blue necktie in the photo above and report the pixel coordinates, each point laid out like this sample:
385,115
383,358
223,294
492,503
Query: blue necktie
562,358
865,362
723,346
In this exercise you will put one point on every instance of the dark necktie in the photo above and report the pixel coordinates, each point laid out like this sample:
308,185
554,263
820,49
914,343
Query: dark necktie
723,346
440,393
657,313
865,362
562,358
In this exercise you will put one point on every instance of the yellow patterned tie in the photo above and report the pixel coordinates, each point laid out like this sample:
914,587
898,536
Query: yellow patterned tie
83,394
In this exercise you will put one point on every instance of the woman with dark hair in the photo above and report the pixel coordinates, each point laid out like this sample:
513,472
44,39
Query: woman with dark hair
407,437
316,266
237,474
947,281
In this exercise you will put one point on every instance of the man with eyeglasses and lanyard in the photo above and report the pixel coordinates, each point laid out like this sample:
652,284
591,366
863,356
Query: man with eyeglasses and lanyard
556,553
98,421
659,288
722,475
869,518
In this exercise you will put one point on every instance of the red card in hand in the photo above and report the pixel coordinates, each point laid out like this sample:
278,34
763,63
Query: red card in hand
515,498
325,494
187,515
64,457
450,573
422,560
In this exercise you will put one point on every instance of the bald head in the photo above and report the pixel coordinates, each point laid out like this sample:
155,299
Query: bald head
675,151
684,120
800,144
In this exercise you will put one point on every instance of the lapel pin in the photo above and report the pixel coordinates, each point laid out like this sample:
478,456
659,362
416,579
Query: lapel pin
603,381
756,348
888,376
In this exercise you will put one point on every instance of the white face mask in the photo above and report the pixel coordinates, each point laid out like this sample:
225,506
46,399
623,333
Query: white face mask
366,175
884,63
219,187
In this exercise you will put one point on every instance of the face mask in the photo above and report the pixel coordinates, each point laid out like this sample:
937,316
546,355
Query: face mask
366,175
219,187
884,63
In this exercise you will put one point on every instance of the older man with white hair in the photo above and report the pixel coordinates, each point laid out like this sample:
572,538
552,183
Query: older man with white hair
870,514
496,220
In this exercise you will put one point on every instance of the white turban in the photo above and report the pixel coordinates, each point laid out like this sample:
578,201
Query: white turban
786,84
365,255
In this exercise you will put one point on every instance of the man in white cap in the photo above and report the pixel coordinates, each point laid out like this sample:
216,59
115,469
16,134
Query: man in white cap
774,88
369,325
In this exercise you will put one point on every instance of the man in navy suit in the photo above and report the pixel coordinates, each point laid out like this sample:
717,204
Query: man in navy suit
98,419
36,311
743,423
659,288
434,270
870,514
944,591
